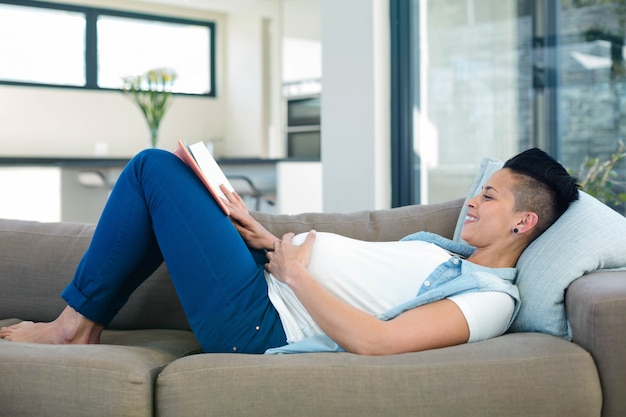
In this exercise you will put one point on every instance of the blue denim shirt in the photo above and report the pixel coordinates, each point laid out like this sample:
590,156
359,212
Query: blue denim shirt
453,277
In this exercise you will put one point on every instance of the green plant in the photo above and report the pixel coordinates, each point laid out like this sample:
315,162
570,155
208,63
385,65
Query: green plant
151,91
599,178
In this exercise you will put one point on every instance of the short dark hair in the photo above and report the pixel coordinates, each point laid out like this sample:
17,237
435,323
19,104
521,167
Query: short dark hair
543,186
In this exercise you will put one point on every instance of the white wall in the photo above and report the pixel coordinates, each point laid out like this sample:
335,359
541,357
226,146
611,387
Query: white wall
244,61
69,122
355,105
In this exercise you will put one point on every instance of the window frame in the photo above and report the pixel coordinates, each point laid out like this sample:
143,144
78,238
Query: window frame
91,39
404,91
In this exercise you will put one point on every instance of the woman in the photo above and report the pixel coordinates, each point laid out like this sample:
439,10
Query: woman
245,290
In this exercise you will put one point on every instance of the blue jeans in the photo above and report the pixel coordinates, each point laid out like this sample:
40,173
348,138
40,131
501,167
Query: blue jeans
159,211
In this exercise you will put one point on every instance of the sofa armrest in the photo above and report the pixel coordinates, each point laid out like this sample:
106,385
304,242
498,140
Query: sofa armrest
596,308
376,225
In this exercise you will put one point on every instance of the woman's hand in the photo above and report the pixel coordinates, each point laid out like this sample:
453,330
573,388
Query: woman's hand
288,262
253,233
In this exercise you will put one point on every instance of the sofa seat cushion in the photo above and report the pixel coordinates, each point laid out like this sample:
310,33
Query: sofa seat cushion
524,374
94,380
177,343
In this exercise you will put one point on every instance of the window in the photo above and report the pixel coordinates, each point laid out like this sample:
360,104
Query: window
29,54
61,45
492,78
119,39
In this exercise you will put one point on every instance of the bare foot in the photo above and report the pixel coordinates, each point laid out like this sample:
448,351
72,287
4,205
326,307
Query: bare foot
70,327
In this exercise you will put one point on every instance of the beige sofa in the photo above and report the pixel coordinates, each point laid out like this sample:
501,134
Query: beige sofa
150,364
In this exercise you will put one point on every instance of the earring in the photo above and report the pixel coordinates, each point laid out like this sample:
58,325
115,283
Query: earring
515,230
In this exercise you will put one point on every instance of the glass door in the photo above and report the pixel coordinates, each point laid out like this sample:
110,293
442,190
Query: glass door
477,90
494,77
592,95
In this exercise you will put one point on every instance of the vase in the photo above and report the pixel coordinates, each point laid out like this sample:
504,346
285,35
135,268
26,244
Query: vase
154,137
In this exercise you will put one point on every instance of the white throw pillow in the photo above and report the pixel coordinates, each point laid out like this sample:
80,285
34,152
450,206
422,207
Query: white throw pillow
587,237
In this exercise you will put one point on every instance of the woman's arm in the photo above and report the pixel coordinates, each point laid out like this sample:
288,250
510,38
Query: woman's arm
253,233
434,325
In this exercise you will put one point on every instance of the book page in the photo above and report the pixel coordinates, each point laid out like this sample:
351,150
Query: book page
209,167
212,184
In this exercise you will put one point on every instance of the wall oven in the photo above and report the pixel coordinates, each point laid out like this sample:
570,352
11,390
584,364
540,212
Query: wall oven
303,131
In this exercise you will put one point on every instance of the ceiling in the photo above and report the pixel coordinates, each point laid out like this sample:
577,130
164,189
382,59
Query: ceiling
263,7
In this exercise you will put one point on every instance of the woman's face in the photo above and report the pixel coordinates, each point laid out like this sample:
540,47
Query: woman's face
490,216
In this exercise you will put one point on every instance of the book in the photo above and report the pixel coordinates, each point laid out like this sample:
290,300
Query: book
198,157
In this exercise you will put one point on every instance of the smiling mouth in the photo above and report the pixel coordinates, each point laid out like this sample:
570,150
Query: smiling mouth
470,219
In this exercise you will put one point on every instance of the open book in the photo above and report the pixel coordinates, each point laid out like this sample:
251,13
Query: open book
200,160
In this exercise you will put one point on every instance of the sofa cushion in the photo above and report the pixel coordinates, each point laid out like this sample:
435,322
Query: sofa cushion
376,225
115,378
37,260
514,375
589,236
